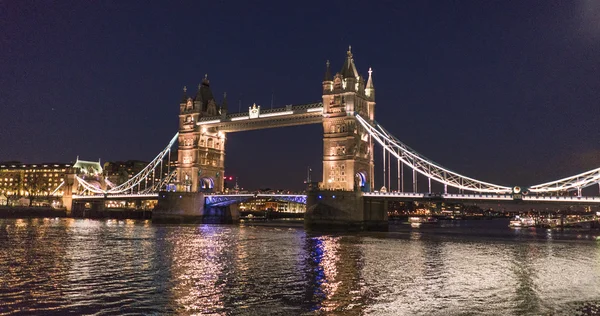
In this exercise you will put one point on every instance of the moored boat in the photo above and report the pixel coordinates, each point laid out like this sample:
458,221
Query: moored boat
518,221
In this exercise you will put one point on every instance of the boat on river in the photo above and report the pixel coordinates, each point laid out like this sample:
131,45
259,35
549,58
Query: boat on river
518,222
422,220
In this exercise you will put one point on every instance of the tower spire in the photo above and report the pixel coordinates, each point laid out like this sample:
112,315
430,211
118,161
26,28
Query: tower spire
199,94
224,105
327,72
349,69
370,89
370,81
184,98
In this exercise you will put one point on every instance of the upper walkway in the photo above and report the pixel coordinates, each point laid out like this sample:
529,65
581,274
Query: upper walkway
257,118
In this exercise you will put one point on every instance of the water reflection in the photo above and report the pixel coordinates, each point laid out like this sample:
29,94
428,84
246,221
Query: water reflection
334,271
67,266
197,264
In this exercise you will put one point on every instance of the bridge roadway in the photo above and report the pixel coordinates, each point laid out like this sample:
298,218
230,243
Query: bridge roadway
483,197
226,199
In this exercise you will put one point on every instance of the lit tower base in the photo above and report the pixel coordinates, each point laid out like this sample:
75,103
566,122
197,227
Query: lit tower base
189,208
344,210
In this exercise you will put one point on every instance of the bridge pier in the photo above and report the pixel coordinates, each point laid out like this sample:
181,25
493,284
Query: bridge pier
344,210
189,208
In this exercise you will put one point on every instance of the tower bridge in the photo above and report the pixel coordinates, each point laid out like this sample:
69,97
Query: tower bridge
193,185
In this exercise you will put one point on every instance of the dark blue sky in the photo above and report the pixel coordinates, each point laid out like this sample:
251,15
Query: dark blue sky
503,91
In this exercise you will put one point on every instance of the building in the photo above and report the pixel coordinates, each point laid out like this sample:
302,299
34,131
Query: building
37,182
201,153
347,149
263,204
118,172
31,180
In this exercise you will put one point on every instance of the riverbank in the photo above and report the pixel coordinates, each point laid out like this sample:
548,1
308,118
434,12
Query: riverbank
41,212
30,212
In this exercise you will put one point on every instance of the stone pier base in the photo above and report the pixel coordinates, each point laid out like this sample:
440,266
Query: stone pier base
344,210
188,208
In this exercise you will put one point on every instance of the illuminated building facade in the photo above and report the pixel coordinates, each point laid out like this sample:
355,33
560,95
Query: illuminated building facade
347,149
31,180
18,180
273,205
201,153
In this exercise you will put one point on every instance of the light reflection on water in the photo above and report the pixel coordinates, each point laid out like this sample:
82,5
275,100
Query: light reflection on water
59,266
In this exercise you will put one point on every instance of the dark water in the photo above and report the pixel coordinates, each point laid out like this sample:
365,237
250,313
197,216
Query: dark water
67,266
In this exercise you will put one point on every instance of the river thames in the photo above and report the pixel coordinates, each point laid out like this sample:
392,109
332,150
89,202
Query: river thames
107,267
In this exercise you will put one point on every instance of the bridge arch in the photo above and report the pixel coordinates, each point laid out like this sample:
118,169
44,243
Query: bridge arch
361,181
207,184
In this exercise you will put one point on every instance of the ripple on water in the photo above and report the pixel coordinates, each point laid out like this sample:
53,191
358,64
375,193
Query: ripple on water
71,266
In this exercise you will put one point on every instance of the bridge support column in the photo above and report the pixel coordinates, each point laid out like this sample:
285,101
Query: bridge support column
344,210
67,198
188,207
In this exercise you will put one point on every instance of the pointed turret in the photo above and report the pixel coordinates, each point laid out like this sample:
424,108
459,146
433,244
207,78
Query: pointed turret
205,93
370,89
349,69
223,109
327,73
198,97
327,79
185,97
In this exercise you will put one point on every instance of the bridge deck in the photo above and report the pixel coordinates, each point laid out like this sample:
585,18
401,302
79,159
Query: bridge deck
223,199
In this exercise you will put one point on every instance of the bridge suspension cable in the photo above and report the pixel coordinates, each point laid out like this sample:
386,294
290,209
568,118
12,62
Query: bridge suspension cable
424,166
576,182
161,184
147,173
87,186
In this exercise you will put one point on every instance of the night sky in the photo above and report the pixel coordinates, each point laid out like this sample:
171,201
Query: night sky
502,91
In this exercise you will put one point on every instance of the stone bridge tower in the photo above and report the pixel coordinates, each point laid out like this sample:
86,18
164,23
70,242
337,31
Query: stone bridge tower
347,148
201,154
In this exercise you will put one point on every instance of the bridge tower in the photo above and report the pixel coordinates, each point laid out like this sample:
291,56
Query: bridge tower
201,155
347,156
347,148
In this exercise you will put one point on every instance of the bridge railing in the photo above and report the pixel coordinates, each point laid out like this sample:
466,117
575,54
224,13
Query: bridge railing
562,198
395,194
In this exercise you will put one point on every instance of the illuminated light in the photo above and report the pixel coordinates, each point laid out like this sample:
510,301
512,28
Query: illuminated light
240,118
208,122
230,178
315,110
276,114
320,197
333,196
